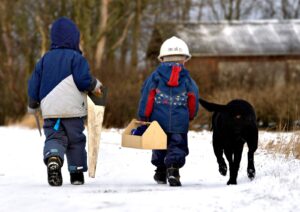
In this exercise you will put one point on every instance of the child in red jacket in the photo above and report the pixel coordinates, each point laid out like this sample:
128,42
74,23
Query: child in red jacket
170,96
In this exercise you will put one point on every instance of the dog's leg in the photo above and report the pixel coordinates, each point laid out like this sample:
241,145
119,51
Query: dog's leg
229,157
252,143
251,167
218,150
234,165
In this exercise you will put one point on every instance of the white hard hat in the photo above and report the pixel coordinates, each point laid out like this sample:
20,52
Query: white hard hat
174,46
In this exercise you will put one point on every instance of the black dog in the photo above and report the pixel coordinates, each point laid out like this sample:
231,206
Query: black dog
233,125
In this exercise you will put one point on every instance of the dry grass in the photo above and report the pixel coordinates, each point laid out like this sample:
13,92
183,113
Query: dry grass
288,146
27,121
294,146
276,108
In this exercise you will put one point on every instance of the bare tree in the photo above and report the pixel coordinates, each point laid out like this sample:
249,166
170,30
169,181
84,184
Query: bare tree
102,36
186,7
267,9
290,9
136,33
200,5
231,9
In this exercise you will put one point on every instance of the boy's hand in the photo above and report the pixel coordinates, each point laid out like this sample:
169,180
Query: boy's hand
97,92
98,89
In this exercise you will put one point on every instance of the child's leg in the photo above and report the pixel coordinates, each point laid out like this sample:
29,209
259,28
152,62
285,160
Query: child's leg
158,157
76,153
175,158
56,140
54,149
177,150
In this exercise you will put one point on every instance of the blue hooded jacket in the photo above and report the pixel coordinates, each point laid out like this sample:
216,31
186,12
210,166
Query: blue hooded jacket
169,96
61,75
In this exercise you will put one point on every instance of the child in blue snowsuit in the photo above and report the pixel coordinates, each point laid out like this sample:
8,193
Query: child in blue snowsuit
169,96
58,87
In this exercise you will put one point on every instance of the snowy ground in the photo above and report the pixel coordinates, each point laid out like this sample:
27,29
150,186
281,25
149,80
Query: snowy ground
124,180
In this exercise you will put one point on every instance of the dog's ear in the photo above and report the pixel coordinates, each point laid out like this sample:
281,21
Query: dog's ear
212,107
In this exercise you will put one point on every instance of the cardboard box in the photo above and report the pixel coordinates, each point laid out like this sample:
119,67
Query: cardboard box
153,138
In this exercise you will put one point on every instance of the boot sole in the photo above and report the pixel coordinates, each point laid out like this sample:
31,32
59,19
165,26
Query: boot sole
54,175
161,182
77,182
173,181
77,178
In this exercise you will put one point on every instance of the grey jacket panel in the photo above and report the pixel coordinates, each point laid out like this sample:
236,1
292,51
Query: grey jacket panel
64,101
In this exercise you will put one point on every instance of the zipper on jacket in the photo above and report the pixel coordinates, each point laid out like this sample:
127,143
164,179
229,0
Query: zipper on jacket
170,119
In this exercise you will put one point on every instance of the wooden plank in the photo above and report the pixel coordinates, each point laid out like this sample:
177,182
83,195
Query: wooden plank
95,120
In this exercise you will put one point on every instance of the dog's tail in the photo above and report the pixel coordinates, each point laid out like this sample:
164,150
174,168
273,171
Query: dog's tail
212,107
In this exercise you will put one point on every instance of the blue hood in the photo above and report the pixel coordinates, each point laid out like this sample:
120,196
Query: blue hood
65,35
165,71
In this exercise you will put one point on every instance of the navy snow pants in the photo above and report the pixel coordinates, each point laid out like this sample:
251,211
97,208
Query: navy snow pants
175,154
66,138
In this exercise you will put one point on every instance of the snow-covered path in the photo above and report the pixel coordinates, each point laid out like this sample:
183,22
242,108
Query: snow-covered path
124,180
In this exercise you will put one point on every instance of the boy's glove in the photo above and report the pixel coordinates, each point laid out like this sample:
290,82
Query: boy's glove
98,89
32,110
145,119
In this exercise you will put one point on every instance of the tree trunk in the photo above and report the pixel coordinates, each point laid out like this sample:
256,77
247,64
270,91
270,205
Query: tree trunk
186,10
238,9
102,37
136,35
43,34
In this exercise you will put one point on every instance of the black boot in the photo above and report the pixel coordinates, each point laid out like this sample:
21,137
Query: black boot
54,165
160,175
77,178
174,177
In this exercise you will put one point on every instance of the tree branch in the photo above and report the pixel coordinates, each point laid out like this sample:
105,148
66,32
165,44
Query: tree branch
119,42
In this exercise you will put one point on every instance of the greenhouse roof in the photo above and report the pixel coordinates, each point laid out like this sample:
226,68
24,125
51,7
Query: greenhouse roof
238,38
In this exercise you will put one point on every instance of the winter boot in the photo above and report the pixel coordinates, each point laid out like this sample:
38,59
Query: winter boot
54,171
77,178
174,177
160,175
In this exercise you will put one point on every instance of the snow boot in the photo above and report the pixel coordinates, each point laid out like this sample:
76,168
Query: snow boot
160,175
77,178
54,171
174,177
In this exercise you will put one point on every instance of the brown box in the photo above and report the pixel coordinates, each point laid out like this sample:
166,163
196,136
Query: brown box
153,138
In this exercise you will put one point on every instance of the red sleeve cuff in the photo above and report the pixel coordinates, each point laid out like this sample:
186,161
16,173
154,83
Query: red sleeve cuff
150,103
192,105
